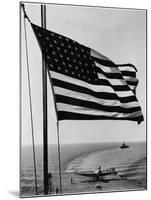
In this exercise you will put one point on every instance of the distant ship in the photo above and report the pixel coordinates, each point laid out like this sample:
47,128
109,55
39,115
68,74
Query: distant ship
124,146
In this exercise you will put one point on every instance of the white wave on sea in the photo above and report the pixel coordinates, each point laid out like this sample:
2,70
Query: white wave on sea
130,163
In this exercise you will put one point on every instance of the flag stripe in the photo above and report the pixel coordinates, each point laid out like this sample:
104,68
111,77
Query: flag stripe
105,63
94,106
128,73
65,115
127,66
98,55
88,97
132,83
88,111
132,79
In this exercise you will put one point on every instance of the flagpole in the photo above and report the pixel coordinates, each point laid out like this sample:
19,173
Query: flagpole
45,130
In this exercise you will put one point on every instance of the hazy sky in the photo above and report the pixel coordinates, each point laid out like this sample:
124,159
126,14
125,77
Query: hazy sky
119,34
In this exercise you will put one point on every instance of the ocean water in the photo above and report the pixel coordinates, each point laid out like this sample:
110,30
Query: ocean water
130,163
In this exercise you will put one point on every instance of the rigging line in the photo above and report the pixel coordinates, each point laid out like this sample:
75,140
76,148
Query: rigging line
59,155
30,104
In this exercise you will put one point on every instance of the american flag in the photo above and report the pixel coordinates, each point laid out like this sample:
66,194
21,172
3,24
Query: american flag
88,85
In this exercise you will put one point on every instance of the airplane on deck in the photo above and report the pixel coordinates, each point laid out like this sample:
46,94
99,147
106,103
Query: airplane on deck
98,174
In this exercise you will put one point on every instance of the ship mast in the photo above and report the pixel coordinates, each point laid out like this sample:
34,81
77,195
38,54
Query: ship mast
45,129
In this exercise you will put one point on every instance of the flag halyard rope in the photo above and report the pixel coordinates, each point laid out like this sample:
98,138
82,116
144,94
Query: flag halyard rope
30,103
59,157
25,14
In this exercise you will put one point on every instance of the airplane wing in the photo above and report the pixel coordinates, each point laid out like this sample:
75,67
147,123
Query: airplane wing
108,172
96,174
87,173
